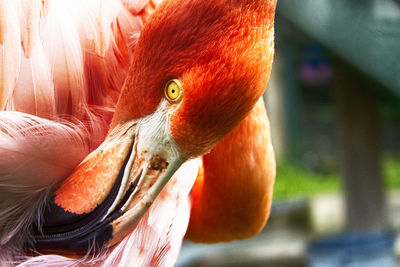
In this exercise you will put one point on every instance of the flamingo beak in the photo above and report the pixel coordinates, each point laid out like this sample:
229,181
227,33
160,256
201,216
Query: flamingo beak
108,193
149,169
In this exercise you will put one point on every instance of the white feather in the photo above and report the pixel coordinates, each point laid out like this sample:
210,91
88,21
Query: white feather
34,91
76,53
135,6
99,14
30,17
106,70
35,153
10,49
61,41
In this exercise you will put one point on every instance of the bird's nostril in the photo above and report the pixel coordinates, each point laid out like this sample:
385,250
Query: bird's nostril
158,163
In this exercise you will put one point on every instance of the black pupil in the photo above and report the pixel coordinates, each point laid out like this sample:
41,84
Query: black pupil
173,91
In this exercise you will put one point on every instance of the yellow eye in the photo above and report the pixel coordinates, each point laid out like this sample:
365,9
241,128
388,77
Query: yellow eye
173,90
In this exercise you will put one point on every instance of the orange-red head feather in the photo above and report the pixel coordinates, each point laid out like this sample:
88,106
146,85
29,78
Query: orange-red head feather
220,50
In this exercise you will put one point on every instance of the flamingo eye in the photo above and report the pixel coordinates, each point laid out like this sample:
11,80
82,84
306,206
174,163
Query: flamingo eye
173,90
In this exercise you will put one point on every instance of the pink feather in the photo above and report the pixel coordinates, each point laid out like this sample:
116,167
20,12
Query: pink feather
56,102
35,153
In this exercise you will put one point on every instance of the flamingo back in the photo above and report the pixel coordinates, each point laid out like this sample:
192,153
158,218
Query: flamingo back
66,58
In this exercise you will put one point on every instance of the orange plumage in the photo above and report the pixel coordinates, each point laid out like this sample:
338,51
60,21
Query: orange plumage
65,67
233,192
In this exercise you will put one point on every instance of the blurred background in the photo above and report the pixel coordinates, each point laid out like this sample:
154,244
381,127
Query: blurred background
334,105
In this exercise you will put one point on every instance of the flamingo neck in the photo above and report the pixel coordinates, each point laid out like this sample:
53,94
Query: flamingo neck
233,191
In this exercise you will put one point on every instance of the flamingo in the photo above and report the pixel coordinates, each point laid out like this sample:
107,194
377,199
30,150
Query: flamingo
127,125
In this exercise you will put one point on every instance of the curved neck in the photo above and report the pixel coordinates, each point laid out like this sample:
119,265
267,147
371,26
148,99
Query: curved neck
233,191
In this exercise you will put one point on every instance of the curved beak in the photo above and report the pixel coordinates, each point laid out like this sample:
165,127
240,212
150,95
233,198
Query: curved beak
108,192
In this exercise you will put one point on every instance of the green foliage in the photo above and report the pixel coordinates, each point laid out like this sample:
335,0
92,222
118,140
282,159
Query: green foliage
293,181
391,170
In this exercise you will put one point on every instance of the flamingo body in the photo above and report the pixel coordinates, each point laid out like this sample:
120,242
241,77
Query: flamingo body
83,113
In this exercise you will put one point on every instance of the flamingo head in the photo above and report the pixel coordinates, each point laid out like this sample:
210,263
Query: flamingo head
198,69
